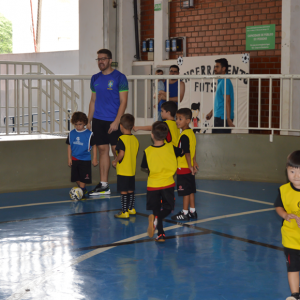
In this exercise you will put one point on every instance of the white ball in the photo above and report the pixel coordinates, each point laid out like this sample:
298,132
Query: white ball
76,193
245,58
179,61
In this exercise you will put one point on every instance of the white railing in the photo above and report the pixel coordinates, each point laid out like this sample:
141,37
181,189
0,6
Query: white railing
288,118
36,99
52,116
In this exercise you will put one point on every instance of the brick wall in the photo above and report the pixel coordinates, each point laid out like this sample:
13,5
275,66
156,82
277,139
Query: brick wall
216,27
147,23
264,65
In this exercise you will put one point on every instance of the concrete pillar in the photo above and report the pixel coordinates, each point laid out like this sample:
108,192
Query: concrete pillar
90,35
290,63
126,43
161,31
101,25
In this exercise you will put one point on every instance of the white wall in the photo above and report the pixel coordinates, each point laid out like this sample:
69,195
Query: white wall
90,35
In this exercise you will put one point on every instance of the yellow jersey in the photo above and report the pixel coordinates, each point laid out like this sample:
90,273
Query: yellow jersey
173,133
290,231
127,166
162,165
183,167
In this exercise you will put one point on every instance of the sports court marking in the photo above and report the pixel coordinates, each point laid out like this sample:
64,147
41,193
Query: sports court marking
143,194
31,284
229,196
64,201
59,216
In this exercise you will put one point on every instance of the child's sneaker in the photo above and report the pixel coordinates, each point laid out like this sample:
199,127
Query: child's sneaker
193,215
100,190
181,217
122,215
293,297
160,238
132,211
151,226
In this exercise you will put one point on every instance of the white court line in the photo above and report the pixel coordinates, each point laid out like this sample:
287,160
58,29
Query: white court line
109,197
33,283
241,198
65,201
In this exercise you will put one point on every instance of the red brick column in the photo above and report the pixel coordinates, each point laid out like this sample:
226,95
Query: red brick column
147,23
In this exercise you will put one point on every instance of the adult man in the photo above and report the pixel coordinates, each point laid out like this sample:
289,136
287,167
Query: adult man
160,87
221,68
108,103
173,87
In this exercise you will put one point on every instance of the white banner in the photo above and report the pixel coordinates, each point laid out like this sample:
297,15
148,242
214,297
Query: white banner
199,95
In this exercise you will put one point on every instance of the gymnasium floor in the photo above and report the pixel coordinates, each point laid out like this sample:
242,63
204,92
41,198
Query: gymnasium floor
53,248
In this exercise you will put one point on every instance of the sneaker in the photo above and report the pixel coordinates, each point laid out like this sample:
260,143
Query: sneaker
122,215
151,226
100,190
292,297
160,238
132,211
193,215
181,217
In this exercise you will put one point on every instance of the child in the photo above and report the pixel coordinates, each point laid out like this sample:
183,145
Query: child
187,166
126,149
168,112
160,160
195,107
160,87
287,207
80,142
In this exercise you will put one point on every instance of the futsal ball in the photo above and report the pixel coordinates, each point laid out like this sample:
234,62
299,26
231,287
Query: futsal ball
180,61
245,58
76,193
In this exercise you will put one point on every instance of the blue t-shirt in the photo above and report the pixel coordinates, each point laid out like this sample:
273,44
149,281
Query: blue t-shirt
160,87
80,142
219,99
107,89
173,89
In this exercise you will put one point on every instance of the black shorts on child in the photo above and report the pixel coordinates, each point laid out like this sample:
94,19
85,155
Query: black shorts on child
158,199
125,183
81,171
292,259
186,184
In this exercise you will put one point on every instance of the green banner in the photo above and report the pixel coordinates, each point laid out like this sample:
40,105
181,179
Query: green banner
157,7
260,37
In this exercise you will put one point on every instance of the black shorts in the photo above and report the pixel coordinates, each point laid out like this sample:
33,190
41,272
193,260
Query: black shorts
161,198
292,259
125,183
81,171
186,184
100,130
